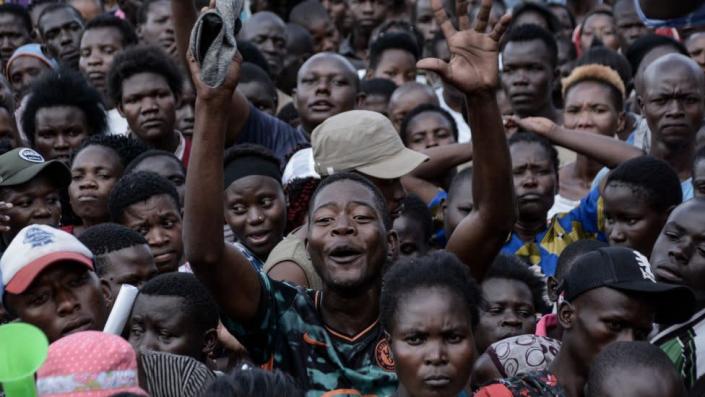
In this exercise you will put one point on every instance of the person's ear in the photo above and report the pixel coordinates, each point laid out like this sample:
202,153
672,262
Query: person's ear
120,110
640,103
360,99
293,98
139,33
107,292
210,341
392,246
621,121
368,74
552,288
566,315
34,34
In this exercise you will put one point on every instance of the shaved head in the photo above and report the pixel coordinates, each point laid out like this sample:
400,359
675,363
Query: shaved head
673,64
335,58
261,17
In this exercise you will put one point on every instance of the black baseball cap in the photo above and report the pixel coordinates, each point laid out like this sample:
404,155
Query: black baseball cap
629,271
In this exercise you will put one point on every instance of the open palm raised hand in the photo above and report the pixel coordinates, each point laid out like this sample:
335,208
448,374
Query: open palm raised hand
474,59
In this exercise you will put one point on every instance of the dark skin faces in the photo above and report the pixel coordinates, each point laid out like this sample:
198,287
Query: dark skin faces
255,210
132,265
158,28
158,219
699,179
696,48
98,48
527,78
184,112
61,31
629,25
595,319
94,172
260,95
34,202
427,130
268,32
602,27
678,256
59,130
375,103
393,192
432,343
64,298
8,127
406,98
326,37
411,238
425,21
167,167
508,310
327,85
674,108
629,221
13,34
396,65
535,184
23,71
149,106
458,206
158,323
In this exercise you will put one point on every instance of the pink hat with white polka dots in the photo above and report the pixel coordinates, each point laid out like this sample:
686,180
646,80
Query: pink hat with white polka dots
89,364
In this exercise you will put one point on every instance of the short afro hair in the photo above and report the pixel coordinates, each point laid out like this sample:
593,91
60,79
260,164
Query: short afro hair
651,179
127,32
198,304
524,33
59,5
250,72
509,267
249,149
572,252
423,108
633,358
415,209
126,148
379,200
19,12
604,56
439,269
643,45
104,238
392,41
144,10
153,153
530,137
64,87
600,74
137,187
142,59
554,26
378,86
251,54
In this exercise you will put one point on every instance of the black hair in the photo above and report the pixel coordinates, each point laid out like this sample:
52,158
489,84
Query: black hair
254,382
64,87
379,200
698,157
423,108
197,301
152,153
524,33
643,45
651,179
378,86
249,149
572,51
144,10
126,148
136,187
250,72
399,26
307,12
392,41
20,12
104,238
142,59
415,209
58,6
288,113
570,254
464,176
439,269
607,57
627,357
530,137
251,54
129,37
34,3
510,267
298,39
552,22
564,7
598,11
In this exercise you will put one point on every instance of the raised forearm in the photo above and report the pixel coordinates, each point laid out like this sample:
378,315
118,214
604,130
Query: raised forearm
441,159
184,16
605,150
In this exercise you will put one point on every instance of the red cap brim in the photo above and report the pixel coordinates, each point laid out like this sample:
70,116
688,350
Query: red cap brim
22,279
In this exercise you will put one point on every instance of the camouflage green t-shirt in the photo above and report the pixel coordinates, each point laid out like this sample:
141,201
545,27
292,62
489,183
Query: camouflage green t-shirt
288,334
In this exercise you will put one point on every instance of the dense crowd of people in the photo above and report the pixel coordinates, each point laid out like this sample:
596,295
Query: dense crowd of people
405,198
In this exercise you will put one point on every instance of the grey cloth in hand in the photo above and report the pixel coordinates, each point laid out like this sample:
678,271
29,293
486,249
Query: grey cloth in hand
213,40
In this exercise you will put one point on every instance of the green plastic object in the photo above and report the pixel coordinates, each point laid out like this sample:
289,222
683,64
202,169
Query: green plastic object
23,349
